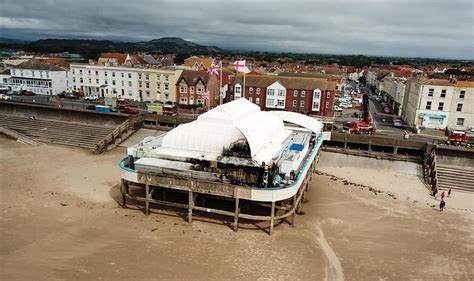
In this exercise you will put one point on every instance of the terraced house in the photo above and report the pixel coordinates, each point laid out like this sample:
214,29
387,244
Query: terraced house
311,96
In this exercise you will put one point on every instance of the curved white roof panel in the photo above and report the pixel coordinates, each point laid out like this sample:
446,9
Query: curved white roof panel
219,128
302,120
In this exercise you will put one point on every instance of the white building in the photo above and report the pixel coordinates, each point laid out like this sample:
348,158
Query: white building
40,78
439,104
140,84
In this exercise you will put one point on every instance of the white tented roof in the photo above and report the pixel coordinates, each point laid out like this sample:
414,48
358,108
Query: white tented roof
219,128
302,120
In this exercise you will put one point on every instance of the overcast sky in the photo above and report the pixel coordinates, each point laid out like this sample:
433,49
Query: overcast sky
421,28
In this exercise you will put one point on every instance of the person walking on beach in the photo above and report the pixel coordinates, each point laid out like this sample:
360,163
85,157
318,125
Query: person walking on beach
449,192
442,196
441,205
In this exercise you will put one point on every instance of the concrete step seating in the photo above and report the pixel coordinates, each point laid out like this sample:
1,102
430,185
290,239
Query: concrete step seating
58,132
456,178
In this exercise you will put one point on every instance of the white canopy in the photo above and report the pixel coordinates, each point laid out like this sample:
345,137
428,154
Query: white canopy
219,128
302,120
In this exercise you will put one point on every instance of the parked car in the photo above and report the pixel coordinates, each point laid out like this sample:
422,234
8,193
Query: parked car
129,110
91,98
67,95
28,93
397,123
90,107
337,109
5,97
345,105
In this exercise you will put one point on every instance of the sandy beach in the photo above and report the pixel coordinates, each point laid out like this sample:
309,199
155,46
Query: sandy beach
60,220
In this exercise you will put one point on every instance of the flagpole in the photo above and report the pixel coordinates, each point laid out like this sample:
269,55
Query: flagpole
243,95
220,86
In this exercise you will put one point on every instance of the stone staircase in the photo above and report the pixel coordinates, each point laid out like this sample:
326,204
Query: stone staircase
94,137
456,178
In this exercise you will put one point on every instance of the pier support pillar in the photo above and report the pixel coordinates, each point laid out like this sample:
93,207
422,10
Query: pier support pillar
237,211
272,220
147,199
292,222
190,206
395,150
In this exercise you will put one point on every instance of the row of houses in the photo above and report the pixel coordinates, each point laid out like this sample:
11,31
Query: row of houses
426,103
125,76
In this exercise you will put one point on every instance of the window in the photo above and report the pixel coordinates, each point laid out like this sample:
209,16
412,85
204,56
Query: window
113,74
123,75
182,89
295,93
191,89
80,72
237,89
430,92
328,95
250,99
428,105
316,95
200,90
459,108
97,81
443,93
281,102
140,84
73,72
258,91
106,82
166,77
129,75
270,102
105,74
462,94
327,105
148,93
440,106
96,73
294,103
270,92
113,82
130,84
90,81
303,93
257,100
130,93
123,83
281,93
460,122
167,87
302,103
89,72
251,90
315,106
139,76
147,76
148,85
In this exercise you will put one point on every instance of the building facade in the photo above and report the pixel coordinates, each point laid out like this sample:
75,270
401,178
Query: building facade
140,84
439,104
40,78
191,87
311,96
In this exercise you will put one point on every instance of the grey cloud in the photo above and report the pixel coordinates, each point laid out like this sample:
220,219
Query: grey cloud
428,28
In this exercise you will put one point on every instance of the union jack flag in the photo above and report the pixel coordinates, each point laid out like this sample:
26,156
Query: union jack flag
213,70
205,95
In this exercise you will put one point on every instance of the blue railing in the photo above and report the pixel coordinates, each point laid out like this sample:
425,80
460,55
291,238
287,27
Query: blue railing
300,174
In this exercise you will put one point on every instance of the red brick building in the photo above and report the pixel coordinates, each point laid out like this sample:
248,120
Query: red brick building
192,84
313,96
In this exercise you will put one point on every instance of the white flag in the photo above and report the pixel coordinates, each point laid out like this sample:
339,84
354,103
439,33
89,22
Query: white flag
239,65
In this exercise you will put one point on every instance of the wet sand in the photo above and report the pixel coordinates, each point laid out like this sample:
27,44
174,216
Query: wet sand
60,221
